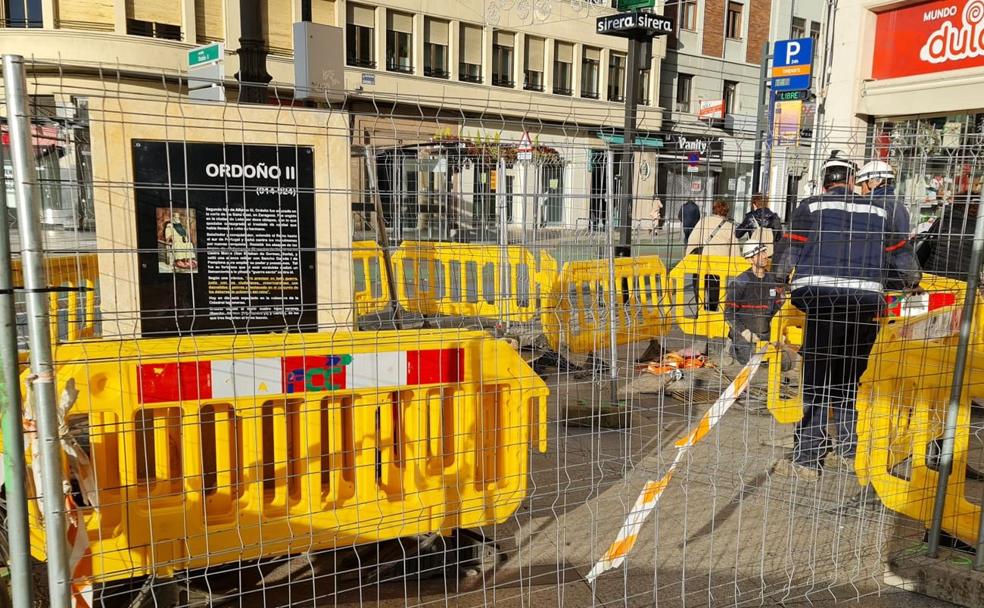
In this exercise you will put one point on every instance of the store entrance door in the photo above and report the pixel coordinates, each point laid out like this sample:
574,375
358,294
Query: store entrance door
598,208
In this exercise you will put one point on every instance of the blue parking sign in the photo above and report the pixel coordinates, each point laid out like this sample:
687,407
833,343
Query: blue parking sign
792,64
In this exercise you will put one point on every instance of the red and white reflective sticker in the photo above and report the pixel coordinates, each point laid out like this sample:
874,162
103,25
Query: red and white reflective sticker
230,378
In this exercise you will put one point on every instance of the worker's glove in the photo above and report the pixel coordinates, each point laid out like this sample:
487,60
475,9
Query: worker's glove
749,336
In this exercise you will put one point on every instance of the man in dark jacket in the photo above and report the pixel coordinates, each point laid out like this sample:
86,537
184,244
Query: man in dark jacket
688,215
945,247
842,248
760,217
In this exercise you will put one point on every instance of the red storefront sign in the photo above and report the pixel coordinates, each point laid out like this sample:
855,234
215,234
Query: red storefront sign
929,37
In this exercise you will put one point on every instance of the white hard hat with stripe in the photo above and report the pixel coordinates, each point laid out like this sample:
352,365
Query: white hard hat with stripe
876,169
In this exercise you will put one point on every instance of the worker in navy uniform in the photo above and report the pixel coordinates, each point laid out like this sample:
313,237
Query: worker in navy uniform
839,250
753,298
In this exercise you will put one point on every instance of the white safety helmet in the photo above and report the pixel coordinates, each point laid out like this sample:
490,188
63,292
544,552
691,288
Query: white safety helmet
752,248
876,169
837,169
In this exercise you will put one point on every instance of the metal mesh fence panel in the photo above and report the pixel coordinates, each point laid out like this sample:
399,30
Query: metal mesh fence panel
386,352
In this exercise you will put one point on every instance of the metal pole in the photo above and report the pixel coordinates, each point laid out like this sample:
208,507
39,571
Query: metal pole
631,101
612,316
381,236
39,334
527,166
956,388
504,271
757,155
14,466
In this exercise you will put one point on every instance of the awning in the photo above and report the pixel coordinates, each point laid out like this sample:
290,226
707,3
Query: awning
646,141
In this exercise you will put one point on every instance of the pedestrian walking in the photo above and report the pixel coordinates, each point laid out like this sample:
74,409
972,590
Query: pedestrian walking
842,248
689,215
713,235
760,216
656,216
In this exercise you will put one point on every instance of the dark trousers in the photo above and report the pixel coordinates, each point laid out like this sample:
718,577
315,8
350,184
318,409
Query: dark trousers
741,349
840,331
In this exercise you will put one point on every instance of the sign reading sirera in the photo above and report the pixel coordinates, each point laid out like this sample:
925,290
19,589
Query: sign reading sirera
634,24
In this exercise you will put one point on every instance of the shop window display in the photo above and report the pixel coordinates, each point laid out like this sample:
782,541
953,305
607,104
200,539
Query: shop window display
935,158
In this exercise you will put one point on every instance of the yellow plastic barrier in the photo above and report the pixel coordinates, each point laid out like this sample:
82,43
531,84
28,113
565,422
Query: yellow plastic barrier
78,275
902,407
703,315
372,294
789,326
211,450
461,279
578,316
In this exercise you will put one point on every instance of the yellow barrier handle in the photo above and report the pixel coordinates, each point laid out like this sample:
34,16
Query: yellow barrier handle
541,423
434,422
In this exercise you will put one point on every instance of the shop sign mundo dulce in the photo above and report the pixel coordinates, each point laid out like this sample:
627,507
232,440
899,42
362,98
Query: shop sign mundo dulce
929,37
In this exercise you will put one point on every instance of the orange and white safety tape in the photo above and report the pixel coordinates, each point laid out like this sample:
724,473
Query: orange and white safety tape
651,492
80,550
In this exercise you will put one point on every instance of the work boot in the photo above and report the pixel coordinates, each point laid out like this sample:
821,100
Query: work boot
792,469
790,386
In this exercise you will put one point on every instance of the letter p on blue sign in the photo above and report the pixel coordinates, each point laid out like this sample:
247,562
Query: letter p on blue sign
792,64
793,52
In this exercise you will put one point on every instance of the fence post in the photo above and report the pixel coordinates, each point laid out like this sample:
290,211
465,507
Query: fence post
956,388
14,465
610,232
502,196
39,332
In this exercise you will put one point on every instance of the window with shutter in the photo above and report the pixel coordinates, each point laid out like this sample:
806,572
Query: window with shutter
502,59
533,71
435,48
590,72
616,77
360,36
470,68
399,42
563,68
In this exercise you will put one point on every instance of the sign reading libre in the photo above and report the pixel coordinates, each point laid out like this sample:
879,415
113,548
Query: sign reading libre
634,24
929,37
792,95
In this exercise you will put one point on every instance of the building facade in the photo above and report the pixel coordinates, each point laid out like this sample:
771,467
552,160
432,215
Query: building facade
789,164
709,89
905,86
428,86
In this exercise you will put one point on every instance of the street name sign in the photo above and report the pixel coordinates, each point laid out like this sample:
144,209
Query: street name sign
206,73
634,24
202,55
634,5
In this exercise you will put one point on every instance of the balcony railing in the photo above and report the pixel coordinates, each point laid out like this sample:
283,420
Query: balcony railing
399,67
436,72
360,62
